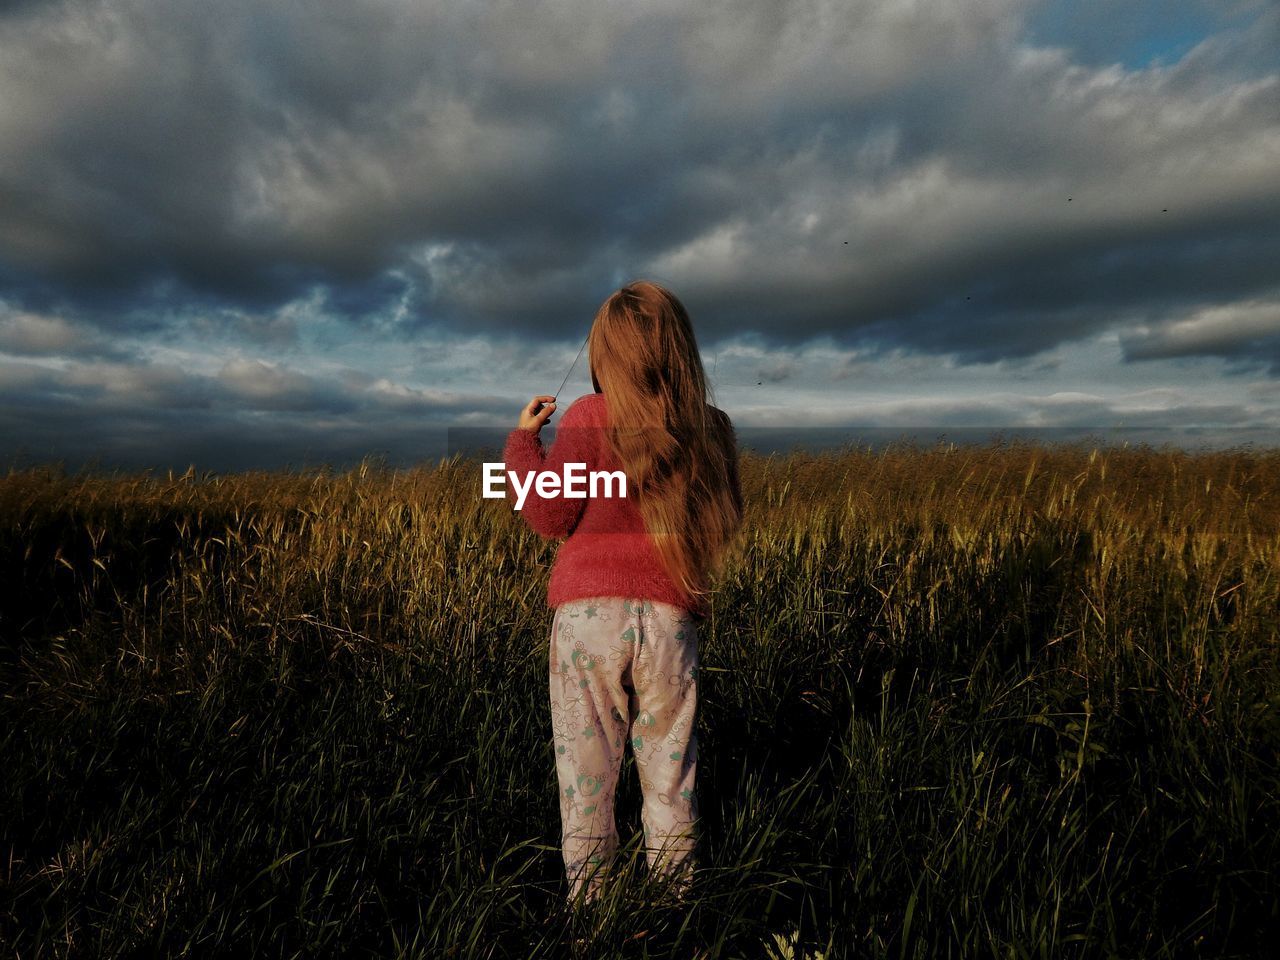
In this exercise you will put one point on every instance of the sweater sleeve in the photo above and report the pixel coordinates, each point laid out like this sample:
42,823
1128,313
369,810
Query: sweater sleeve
555,516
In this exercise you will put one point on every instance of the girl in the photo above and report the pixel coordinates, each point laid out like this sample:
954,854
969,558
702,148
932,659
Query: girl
629,586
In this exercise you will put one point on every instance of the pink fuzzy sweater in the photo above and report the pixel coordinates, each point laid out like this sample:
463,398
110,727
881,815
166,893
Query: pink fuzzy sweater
608,552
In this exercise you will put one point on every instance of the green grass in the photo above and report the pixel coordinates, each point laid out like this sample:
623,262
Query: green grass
1014,701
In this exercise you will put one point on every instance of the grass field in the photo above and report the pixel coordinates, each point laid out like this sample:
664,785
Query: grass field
1012,701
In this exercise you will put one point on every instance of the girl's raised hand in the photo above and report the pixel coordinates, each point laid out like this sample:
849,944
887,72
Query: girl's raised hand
536,413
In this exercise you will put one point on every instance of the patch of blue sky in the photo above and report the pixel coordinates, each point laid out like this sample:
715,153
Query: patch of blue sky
1134,33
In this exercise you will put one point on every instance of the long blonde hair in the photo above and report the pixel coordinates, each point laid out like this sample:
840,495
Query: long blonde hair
675,448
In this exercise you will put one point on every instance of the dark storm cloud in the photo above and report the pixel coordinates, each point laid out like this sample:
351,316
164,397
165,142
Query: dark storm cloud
249,413
893,170
1045,297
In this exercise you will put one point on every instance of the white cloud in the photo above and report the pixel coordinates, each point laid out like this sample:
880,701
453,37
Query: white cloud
33,334
1227,329
267,385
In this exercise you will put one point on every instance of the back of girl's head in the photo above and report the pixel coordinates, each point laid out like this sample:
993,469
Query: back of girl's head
642,342
674,446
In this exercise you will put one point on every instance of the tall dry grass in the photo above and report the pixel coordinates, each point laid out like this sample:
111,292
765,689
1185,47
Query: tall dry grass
1015,701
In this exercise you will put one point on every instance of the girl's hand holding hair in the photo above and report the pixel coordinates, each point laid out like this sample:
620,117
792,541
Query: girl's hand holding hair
536,413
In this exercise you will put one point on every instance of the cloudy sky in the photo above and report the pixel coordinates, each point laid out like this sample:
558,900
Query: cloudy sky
245,234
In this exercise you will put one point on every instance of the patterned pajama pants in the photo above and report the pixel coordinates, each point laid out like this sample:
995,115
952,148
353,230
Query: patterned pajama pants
623,672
